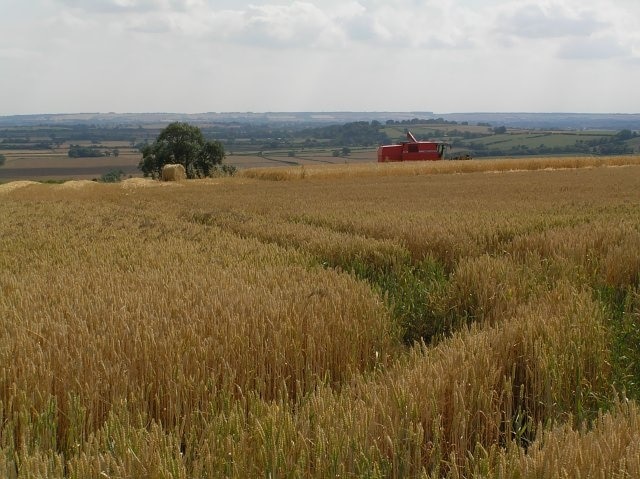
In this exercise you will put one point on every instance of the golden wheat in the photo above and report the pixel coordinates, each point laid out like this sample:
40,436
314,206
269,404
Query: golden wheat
436,167
215,329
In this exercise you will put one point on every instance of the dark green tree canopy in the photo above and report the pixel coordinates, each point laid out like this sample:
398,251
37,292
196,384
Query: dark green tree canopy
182,143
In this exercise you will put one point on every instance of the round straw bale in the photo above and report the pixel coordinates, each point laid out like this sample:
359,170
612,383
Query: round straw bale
173,172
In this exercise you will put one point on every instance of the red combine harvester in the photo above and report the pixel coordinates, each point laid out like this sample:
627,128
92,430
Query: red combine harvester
413,150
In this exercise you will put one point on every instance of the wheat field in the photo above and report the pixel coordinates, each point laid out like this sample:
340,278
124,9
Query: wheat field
341,322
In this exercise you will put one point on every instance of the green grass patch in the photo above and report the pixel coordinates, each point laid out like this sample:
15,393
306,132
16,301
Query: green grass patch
416,295
623,308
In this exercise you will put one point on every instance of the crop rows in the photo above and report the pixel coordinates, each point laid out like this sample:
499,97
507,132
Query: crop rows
359,326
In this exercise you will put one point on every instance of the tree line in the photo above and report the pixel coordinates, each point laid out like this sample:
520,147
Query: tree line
358,133
78,151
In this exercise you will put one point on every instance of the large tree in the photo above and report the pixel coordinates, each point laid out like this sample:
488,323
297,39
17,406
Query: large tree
184,144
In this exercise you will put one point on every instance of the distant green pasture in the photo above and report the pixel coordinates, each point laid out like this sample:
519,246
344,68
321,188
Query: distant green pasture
399,131
535,139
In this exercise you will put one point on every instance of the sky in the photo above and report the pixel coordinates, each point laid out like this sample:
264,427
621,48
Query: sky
445,56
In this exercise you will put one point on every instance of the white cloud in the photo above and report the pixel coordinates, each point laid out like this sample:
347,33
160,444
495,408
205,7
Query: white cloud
156,24
297,24
419,24
17,53
538,20
570,29
67,21
215,55
123,6
593,48
411,24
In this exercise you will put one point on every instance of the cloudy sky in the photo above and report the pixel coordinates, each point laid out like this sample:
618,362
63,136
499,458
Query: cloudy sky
319,55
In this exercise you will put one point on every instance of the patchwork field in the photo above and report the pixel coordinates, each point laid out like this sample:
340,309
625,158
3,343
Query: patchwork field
459,319
55,164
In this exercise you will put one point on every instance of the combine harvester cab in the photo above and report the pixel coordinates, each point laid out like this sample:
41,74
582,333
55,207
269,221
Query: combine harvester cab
413,150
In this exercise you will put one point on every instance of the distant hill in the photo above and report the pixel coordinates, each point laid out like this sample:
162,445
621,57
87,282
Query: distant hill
573,121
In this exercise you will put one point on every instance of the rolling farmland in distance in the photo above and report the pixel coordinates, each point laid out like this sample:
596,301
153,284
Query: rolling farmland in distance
58,148
452,319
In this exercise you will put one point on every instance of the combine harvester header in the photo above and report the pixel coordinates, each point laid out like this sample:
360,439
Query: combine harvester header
414,150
